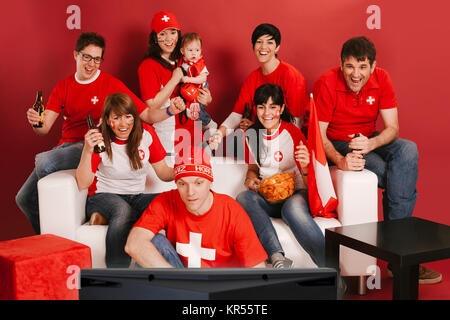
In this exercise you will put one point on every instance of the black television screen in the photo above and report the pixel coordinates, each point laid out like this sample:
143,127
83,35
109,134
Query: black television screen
208,284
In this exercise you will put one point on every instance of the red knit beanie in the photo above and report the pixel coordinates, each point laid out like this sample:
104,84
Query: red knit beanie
194,162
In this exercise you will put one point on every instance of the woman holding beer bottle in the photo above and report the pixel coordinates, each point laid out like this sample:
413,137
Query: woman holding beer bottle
116,177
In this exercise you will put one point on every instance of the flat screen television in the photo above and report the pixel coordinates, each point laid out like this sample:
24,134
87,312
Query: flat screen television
208,284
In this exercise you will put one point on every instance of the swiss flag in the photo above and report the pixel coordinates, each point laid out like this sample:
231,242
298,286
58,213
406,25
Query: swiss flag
322,197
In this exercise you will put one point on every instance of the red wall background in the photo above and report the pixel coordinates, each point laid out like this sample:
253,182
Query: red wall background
412,45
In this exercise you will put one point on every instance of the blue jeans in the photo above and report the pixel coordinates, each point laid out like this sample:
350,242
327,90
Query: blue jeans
295,213
63,157
204,116
122,211
396,166
167,250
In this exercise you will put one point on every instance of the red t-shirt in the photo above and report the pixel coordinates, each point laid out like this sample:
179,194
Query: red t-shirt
347,112
78,99
152,78
223,237
287,77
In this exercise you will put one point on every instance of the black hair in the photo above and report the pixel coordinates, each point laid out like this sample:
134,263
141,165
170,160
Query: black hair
88,38
154,51
360,48
266,29
261,96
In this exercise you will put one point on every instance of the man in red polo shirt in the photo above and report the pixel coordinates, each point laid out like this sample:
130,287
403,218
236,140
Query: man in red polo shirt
349,99
203,228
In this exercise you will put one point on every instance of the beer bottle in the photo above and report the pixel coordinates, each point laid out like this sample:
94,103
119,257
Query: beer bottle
356,135
100,147
247,112
351,150
39,108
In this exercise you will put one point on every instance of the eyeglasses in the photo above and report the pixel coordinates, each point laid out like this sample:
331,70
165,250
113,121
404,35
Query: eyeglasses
87,58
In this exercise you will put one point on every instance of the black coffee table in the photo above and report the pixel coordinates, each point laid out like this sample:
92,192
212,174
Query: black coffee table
404,243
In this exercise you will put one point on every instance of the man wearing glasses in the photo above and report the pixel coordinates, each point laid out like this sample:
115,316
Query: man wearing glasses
77,96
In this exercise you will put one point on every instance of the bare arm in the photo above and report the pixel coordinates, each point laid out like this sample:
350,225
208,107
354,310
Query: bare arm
260,265
197,80
163,171
84,174
49,119
351,161
154,113
157,115
142,250
252,179
233,121
391,128
302,156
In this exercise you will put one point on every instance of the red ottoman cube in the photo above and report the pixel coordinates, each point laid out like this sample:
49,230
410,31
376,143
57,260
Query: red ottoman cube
41,267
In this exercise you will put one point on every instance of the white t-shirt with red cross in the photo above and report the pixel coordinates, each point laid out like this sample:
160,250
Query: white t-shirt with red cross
223,237
116,175
277,152
77,99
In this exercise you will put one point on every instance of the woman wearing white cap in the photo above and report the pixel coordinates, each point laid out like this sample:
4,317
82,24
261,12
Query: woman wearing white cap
159,79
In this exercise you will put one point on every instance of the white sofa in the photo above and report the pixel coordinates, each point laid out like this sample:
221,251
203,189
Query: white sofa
62,210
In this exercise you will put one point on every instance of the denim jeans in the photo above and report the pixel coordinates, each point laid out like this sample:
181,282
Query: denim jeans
295,213
204,116
396,166
122,211
167,250
63,157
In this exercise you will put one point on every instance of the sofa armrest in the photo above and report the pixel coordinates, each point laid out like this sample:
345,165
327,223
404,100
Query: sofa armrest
357,193
61,205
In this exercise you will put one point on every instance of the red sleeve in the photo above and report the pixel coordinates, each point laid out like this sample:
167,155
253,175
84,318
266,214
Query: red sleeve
119,86
154,218
323,99
57,97
95,161
149,80
156,149
245,95
297,136
387,94
246,244
295,92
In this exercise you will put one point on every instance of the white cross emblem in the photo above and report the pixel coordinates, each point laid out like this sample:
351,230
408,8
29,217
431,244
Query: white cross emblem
94,100
370,100
165,18
278,156
194,251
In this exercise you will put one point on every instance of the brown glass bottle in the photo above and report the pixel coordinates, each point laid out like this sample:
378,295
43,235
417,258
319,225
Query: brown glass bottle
247,112
351,150
356,135
99,148
39,108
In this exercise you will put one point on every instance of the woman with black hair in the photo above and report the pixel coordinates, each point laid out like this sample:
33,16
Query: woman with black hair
278,146
159,79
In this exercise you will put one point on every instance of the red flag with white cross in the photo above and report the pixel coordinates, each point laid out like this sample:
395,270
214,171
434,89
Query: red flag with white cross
322,197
